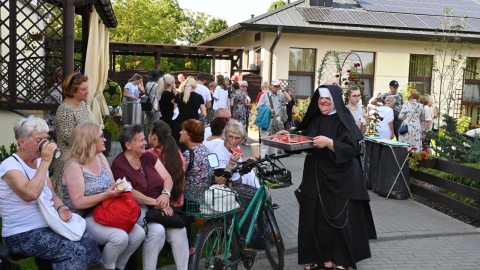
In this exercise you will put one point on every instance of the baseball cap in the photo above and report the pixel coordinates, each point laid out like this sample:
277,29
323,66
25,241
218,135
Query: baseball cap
393,83
275,82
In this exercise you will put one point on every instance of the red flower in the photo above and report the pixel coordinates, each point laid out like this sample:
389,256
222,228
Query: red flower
424,154
349,71
362,83
346,83
412,149
338,75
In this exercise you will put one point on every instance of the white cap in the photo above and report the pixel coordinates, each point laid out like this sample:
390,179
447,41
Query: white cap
275,82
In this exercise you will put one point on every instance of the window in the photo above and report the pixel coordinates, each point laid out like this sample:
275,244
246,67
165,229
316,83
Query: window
368,63
302,70
257,57
420,72
471,91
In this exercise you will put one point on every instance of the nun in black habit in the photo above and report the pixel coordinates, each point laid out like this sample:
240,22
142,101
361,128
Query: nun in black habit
335,222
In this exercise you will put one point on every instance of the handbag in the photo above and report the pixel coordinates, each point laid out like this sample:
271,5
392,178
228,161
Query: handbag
177,220
120,212
283,110
72,229
403,129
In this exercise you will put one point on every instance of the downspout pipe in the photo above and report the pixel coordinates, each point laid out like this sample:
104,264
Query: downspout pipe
279,34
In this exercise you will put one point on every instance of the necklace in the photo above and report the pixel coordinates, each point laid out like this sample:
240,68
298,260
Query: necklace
348,106
135,165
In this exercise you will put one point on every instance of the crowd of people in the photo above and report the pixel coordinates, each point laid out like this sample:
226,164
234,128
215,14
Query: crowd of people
166,163
390,113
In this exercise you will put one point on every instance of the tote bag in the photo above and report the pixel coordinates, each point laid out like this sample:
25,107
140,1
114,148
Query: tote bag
72,229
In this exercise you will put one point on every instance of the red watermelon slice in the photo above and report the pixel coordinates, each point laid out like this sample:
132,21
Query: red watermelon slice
235,150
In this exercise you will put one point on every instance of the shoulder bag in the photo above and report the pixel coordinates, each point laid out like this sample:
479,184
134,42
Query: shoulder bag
72,230
177,220
146,101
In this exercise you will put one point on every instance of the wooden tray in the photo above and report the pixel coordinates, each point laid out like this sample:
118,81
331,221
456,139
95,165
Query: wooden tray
268,140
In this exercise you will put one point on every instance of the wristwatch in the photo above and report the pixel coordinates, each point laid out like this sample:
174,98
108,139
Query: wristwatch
166,192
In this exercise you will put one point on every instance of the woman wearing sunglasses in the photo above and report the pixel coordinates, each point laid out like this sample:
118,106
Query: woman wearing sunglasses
70,113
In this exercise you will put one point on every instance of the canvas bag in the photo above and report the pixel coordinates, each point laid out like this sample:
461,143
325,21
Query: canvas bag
120,212
72,230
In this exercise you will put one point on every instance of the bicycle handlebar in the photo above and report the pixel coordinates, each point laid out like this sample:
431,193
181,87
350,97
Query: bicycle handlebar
247,165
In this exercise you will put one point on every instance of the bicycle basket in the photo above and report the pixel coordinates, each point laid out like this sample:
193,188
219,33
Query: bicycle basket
278,179
216,201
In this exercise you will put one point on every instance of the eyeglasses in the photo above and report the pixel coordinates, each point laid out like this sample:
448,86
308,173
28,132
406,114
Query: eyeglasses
355,96
75,76
244,86
276,86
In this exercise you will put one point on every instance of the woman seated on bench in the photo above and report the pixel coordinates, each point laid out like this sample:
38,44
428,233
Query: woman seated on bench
24,178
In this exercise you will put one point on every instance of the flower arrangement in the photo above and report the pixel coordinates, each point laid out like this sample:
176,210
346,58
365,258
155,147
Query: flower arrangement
302,106
352,78
414,158
113,122
373,118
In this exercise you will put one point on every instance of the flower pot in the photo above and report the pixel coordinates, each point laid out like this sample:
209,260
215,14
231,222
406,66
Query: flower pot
427,163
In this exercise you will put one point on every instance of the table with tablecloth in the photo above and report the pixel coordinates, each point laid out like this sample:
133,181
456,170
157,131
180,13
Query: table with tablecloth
386,167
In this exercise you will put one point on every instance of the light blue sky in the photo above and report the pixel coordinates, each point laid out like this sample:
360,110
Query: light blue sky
231,11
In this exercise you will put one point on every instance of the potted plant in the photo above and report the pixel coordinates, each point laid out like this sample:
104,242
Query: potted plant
421,159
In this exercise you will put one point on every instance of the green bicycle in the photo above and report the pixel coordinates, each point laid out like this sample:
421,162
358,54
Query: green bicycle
225,239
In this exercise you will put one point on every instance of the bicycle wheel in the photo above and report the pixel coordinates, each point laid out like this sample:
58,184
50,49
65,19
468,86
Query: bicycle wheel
272,239
211,245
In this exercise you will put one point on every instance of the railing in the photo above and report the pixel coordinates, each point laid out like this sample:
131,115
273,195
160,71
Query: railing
446,185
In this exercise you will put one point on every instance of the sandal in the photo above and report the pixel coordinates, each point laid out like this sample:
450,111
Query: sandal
312,266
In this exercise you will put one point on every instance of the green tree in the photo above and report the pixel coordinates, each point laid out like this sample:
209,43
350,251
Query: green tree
449,59
278,4
148,21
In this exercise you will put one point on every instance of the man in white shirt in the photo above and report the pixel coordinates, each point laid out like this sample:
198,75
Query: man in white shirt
279,98
203,90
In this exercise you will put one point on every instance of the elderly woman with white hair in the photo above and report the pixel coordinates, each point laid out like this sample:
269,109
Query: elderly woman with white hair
23,180
234,133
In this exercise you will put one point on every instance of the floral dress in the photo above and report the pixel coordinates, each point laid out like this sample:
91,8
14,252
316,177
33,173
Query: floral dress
412,112
239,111
198,179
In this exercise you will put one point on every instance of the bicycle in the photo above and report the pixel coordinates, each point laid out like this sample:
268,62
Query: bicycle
223,242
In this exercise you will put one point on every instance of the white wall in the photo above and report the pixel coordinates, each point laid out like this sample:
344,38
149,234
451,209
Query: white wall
391,56
6,133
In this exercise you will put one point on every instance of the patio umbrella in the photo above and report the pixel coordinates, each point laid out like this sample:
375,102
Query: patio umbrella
96,66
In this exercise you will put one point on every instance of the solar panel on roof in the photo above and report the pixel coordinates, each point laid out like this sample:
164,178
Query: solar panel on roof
468,8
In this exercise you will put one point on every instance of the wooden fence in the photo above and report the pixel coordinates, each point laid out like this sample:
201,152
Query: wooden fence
446,185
